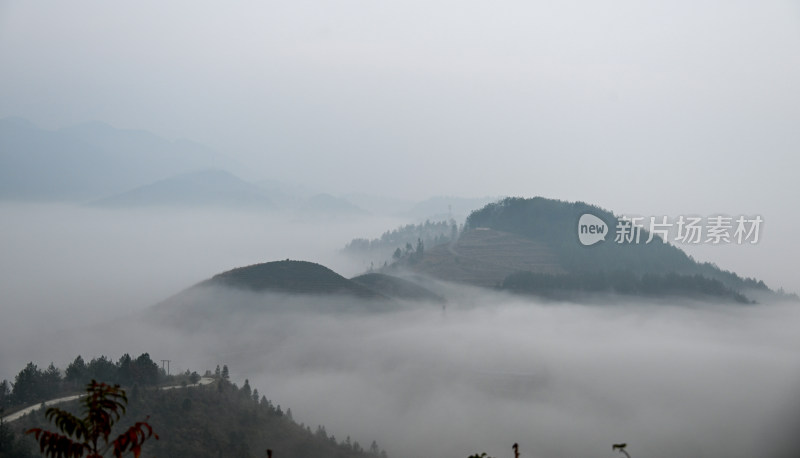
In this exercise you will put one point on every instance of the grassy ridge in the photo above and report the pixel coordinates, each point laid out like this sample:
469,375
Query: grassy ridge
296,277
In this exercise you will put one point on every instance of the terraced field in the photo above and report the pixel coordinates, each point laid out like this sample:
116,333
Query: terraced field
484,257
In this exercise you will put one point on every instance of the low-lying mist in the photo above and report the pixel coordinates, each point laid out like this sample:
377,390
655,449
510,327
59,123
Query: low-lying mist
487,370
66,265
561,379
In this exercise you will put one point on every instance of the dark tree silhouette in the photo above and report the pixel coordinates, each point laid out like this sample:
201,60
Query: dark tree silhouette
77,372
621,448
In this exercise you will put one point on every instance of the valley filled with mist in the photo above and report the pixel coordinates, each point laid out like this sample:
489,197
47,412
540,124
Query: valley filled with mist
476,368
369,230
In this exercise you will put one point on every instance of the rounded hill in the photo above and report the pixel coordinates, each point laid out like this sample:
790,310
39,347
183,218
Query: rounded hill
295,277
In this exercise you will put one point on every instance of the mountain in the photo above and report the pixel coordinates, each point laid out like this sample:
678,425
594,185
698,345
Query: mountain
286,195
539,237
42,164
555,223
326,205
485,257
203,188
305,202
91,160
396,288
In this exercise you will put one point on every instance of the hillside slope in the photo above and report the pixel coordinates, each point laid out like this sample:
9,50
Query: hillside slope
554,223
396,288
297,277
272,287
484,257
532,246
216,420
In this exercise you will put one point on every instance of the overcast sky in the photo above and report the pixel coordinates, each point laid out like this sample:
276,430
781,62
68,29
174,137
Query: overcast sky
568,99
648,107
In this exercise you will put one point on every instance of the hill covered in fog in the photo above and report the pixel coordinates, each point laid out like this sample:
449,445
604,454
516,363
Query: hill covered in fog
395,287
532,246
485,257
525,246
287,286
294,277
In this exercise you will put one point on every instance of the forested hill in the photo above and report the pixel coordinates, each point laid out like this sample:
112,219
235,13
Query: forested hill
218,419
284,287
296,277
555,224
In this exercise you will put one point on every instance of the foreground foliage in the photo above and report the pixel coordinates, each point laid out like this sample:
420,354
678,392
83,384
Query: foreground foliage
218,419
91,434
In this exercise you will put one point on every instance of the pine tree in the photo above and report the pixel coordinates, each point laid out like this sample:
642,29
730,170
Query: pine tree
28,385
5,394
77,372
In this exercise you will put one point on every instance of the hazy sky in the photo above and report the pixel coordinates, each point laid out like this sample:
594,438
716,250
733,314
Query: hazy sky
657,107
638,106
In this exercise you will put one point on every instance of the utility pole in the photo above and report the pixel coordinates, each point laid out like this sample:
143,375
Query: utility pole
162,364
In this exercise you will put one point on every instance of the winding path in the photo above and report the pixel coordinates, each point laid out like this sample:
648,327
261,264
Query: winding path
17,415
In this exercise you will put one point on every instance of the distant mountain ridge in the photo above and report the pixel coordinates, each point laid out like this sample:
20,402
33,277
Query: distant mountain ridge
202,188
91,160
326,204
